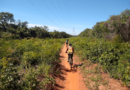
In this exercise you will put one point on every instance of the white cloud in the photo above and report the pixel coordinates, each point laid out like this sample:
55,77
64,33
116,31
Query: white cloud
33,25
50,27
54,28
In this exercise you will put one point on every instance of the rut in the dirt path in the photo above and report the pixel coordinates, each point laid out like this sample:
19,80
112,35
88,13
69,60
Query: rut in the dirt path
69,79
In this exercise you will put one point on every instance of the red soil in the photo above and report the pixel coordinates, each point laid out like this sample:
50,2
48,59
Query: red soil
73,80
69,79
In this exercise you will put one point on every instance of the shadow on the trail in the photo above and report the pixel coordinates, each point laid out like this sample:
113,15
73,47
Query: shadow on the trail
57,85
74,68
63,71
77,65
61,56
61,76
63,68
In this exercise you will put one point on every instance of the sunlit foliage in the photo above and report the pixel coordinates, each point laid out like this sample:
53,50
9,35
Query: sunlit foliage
28,64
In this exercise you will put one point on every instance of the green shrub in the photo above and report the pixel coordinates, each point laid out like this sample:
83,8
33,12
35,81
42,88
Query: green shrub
117,39
22,62
113,55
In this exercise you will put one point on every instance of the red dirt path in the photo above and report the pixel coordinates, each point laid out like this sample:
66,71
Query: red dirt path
69,79
73,80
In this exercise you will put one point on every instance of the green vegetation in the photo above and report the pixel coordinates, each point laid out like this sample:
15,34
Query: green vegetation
112,55
29,56
28,64
10,28
116,24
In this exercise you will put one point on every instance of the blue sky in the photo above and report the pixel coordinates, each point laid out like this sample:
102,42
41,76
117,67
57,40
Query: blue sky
64,15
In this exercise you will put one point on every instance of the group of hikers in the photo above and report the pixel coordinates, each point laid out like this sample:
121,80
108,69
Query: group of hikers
70,51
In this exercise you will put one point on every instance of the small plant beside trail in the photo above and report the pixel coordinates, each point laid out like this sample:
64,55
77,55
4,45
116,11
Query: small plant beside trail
92,75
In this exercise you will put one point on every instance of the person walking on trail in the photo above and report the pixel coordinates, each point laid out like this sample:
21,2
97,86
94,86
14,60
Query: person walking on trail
66,42
70,51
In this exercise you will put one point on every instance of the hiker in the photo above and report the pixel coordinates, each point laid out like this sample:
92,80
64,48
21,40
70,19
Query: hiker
70,51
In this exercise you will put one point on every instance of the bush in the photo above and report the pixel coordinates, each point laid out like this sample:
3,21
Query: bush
117,39
113,56
23,62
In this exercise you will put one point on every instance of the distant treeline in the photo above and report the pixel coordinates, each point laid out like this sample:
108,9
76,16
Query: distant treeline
115,26
10,28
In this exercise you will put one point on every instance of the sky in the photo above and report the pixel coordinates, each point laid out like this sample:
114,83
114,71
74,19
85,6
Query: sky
70,16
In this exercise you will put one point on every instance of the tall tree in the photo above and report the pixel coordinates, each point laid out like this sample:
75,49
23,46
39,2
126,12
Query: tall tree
6,19
46,28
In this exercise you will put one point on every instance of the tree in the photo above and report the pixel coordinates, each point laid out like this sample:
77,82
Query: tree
6,19
98,29
24,24
46,28
125,15
85,33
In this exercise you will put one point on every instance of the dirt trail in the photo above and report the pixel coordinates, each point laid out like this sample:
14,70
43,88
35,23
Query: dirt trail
69,79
